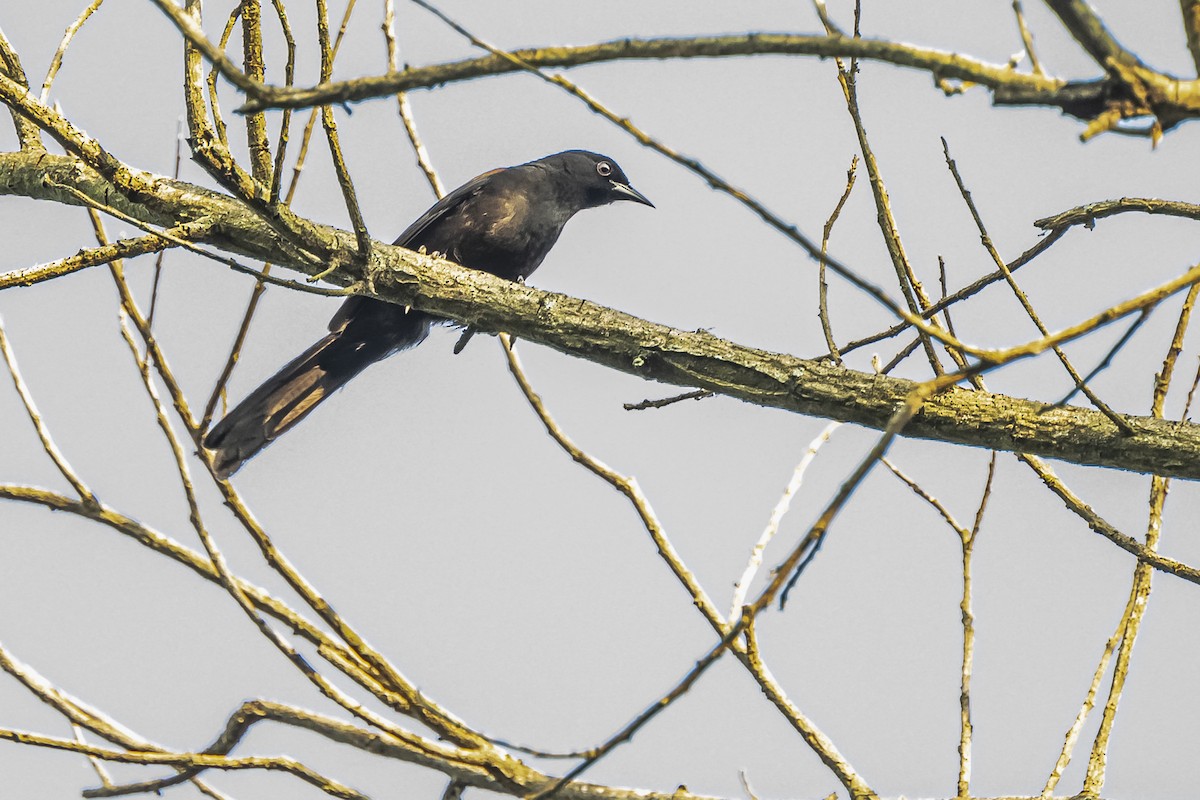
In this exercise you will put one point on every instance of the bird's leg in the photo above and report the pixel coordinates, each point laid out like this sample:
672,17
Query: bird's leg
467,333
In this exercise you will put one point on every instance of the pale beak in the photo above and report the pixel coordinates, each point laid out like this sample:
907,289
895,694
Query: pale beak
627,192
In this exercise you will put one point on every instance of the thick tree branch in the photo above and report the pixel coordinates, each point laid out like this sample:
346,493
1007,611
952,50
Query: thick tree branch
1136,89
1190,9
941,63
10,66
1088,214
94,256
629,344
1089,30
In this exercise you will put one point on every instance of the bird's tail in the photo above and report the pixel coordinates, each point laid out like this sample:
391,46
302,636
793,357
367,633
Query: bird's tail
286,398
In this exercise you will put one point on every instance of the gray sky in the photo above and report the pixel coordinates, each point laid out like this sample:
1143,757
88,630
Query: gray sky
426,502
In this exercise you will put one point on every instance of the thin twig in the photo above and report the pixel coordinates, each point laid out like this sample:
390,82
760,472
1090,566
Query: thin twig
68,35
239,339
43,433
1027,38
82,716
28,133
966,728
1187,406
98,765
822,286
1142,574
699,394
402,104
95,256
1104,364
626,485
906,278
361,235
1089,702
742,586
942,281
214,101
252,60
789,230
271,763
1081,384
158,261
285,119
170,237
969,290
903,353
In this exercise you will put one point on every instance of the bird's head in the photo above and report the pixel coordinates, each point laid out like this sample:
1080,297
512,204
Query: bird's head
598,178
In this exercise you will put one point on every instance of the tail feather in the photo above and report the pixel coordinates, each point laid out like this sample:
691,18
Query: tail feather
363,333
282,401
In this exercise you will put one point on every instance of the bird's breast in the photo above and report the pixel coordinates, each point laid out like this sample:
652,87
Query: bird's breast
505,235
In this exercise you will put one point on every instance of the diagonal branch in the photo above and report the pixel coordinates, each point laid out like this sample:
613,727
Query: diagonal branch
1191,28
942,63
1081,20
694,359
10,66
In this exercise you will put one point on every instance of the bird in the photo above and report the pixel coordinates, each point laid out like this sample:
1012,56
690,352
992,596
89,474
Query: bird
504,222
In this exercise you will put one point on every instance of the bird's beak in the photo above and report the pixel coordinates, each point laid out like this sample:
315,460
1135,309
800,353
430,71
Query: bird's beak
626,192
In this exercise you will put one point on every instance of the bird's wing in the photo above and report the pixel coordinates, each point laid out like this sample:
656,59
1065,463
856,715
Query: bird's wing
413,233
412,236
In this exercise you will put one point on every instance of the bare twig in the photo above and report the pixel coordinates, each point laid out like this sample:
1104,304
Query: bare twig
271,763
252,59
402,104
1087,215
239,339
1105,363
82,716
1191,28
10,65
952,66
158,261
214,100
1187,406
1142,574
1081,384
95,256
742,586
289,76
168,236
1027,38
1089,702
68,35
966,729
822,286
331,136
1081,20
627,486
967,291
699,394
910,287
98,765
789,230
60,461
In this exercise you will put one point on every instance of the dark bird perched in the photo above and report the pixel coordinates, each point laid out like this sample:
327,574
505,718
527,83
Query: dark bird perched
503,222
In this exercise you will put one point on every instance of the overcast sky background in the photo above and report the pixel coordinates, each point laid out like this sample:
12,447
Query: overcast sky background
513,587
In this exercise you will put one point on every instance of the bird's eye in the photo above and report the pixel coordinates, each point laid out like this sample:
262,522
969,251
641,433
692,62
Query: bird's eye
604,168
